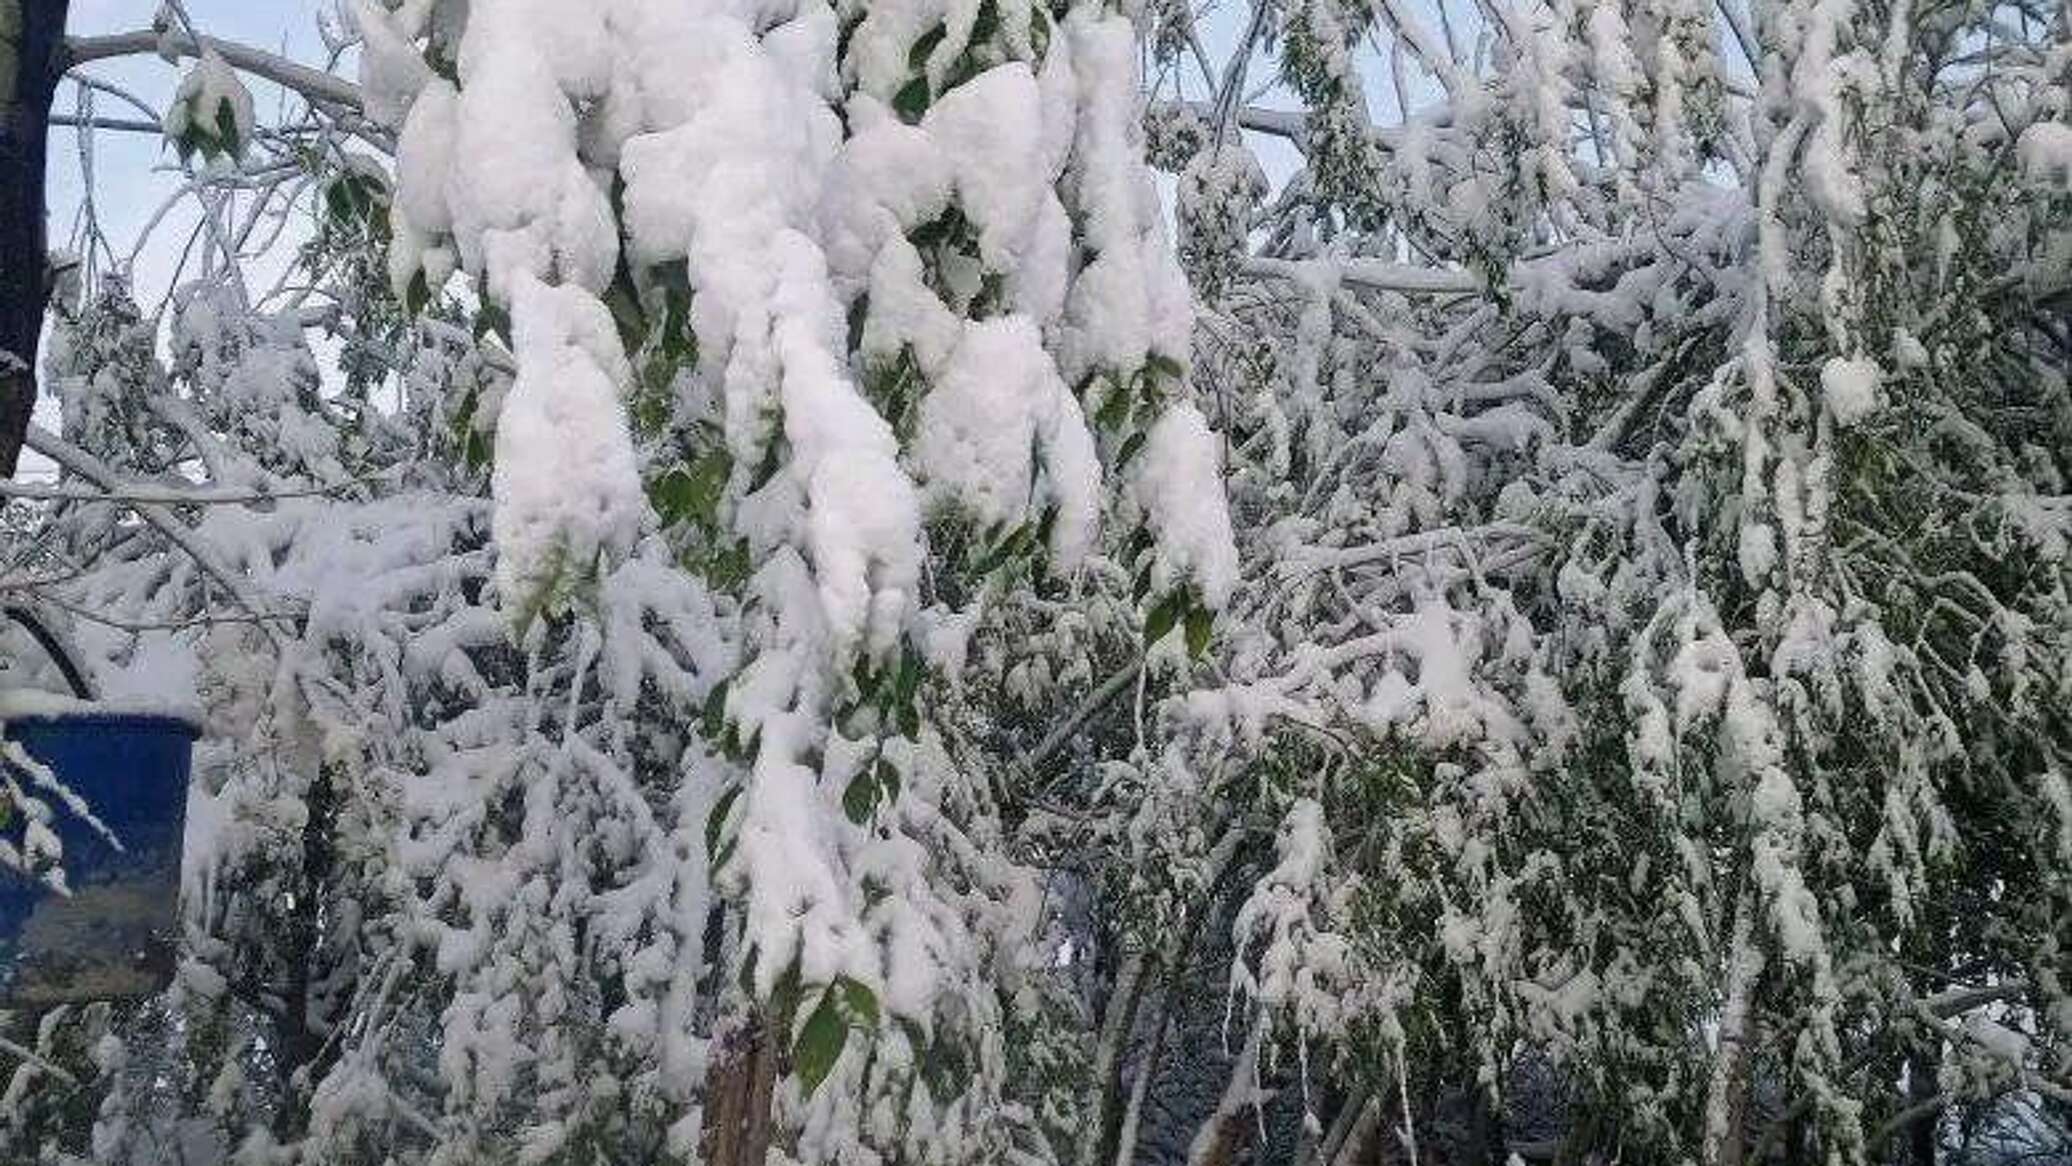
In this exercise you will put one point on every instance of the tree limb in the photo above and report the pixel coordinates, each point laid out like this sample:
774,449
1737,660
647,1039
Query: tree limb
314,84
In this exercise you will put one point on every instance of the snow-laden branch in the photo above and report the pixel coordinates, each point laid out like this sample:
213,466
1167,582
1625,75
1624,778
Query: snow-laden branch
1307,560
1374,274
314,84
74,460
141,494
1291,124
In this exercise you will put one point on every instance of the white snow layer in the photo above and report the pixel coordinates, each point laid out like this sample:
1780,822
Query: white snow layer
567,487
715,116
1850,388
1179,482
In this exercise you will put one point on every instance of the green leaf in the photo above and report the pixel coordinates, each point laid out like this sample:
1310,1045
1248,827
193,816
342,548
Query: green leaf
859,315
850,24
917,56
1115,408
860,797
984,24
820,1043
338,201
773,460
1200,620
911,101
1163,617
226,129
464,416
440,64
992,296
1007,548
649,408
1165,366
715,711
858,1003
865,676
909,681
493,319
731,567
785,994
716,821
1048,524
672,275
1131,447
749,959
888,779
627,314
1147,388
418,295
670,495
1141,540
707,484
678,341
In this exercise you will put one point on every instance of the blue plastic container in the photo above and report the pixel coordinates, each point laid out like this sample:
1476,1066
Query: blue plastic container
112,937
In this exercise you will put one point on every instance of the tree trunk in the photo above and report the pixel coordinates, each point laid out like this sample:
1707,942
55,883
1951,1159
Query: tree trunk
1579,1139
1117,1023
1726,1105
1795,1142
1325,1152
1359,1144
1921,1093
301,1028
1222,1137
32,45
737,1103
1486,1146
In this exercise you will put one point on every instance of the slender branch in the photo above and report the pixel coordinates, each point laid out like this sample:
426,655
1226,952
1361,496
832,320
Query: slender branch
75,460
1110,688
170,496
127,125
37,1059
1943,1004
1905,1119
314,84
1292,124
163,625
1375,274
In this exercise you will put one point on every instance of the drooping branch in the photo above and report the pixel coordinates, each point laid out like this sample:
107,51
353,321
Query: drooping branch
1290,124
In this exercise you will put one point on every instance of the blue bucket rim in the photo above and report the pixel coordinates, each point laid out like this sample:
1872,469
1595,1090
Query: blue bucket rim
110,719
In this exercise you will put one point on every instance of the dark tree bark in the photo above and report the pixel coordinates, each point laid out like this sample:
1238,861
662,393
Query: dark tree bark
1921,1094
301,1027
32,49
737,1103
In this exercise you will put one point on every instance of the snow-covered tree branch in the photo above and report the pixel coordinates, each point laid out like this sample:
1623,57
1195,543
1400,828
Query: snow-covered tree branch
757,603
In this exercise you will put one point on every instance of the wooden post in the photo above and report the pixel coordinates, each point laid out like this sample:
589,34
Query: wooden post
32,58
